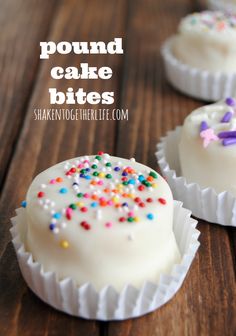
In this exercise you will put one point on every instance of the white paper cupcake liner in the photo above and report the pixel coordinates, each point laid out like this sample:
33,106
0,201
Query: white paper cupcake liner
205,203
221,5
194,82
107,304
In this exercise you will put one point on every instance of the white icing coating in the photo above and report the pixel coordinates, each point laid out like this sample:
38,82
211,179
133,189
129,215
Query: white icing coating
213,165
96,246
207,41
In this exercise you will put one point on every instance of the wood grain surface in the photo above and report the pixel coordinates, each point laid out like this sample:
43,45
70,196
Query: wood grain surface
206,303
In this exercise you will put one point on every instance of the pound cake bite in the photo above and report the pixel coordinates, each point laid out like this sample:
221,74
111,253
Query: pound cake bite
207,41
102,220
207,148
200,59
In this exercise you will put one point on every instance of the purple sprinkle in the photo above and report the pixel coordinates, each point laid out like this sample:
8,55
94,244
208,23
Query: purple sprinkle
227,117
203,126
227,134
230,101
229,141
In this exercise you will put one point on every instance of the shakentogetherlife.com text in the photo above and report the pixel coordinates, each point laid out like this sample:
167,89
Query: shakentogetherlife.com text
80,114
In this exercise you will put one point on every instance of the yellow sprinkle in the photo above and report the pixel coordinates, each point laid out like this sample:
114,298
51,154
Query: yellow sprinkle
101,175
131,195
120,186
154,185
136,219
80,204
64,244
115,199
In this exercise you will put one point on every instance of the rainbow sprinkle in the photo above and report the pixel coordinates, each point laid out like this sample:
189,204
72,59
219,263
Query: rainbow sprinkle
108,184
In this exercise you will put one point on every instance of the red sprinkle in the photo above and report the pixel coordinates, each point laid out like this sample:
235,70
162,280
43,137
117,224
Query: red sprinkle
137,199
122,219
84,209
85,225
141,187
149,200
41,194
142,205
69,213
162,201
72,170
100,153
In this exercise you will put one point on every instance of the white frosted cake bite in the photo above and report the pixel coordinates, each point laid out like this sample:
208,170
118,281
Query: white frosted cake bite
207,41
103,220
207,148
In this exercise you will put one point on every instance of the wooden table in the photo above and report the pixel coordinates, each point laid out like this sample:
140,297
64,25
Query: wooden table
206,304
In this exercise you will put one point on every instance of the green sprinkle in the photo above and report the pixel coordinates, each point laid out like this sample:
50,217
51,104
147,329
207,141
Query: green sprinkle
80,195
130,219
83,171
125,183
109,176
94,166
98,157
73,206
108,164
95,173
153,174
146,183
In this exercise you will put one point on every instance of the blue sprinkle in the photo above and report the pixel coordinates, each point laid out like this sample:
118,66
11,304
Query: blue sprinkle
141,178
82,175
75,184
24,204
88,177
131,181
94,204
52,226
57,215
124,174
116,169
150,216
87,169
63,190
124,204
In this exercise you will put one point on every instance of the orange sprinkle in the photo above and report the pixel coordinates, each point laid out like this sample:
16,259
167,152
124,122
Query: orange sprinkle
94,197
106,190
93,182
59,179
103,203
150,178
